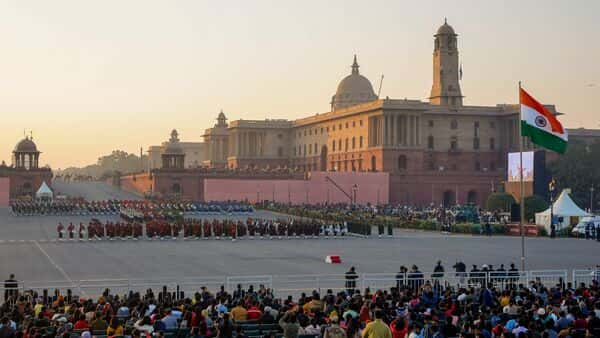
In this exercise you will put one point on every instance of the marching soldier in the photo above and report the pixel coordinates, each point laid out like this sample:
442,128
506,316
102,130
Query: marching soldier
60,229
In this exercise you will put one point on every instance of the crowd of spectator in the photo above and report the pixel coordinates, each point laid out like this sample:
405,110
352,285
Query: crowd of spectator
425,309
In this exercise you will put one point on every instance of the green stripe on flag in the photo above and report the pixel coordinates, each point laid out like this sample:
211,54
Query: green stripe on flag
543,138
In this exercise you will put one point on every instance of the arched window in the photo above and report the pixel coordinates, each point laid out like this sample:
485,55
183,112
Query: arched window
373,163
402,162
353,142
346,144
360,141
176,188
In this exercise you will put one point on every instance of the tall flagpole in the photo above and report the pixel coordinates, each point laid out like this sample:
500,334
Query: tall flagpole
522,190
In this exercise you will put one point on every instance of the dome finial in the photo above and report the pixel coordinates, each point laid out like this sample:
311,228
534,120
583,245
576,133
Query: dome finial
445,20
355,66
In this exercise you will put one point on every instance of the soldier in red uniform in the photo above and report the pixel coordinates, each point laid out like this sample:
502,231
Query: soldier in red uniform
81,231
71,230
110,230
60,229
137,230
206,229
197,229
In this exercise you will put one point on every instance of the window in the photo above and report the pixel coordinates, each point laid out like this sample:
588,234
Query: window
295,151
333,146
492,143
477,166
279,136
492,125
476,124
402,162
310,149
305,133
340,127
327,129
360,142
430,142
340,144
353,142
453,124
280,151
310,132
492,166
316,149
430,123
453,143
476,143
353,124
360,123
346,144
305,150
333,127
346,125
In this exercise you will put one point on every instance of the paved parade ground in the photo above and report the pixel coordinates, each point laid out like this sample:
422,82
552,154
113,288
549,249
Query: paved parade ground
29,248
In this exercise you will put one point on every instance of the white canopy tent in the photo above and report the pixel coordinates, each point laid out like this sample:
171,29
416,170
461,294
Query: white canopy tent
44,192
564,208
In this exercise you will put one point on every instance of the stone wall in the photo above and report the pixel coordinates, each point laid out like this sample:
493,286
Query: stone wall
372,188
4,191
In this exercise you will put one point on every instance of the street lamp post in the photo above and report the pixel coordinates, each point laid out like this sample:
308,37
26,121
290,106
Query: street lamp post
354,191
551,187
591,200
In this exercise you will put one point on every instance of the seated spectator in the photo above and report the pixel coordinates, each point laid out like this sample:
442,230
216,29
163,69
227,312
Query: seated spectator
239,313
114,328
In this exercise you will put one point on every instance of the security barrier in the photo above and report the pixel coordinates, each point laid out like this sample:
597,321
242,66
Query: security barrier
284,285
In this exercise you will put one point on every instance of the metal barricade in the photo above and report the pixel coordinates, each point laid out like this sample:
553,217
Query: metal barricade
548,277
61,286
585,276
246,281
192,285
96,287
294,285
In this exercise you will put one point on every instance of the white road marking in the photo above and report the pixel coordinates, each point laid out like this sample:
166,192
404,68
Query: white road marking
62,272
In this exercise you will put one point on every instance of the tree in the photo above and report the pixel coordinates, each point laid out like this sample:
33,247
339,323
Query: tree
117,161
579,170
534,204
499,201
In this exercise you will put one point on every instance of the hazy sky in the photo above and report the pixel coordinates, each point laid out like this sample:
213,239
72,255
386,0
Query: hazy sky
92,76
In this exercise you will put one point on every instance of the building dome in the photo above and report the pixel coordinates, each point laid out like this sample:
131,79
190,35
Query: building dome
445,29
353,89
26,145
173,147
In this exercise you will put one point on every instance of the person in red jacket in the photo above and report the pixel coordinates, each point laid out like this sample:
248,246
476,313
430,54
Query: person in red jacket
399,327
254,312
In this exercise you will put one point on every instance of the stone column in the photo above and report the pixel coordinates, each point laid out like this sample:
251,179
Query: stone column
411,130
394,138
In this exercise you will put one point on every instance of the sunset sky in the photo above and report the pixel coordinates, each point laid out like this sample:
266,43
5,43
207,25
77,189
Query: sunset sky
88,77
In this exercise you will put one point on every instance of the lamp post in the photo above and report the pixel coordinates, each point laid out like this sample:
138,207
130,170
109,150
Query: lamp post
354,191
551,188
591,199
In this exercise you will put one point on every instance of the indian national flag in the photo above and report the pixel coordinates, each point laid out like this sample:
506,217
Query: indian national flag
542,127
